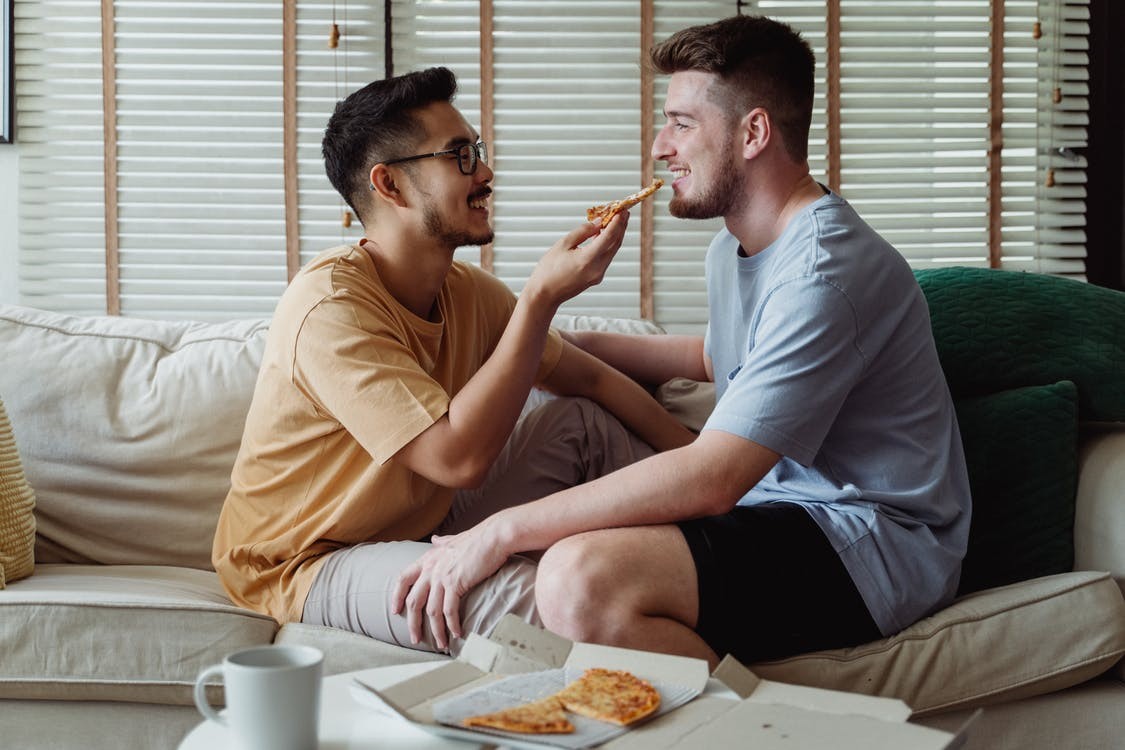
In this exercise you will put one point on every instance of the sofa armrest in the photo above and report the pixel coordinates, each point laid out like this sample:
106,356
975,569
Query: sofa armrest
1099,517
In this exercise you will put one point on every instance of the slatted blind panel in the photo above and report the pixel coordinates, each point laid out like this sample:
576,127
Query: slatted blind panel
324,76
567,135
1045,136
200,163
59,120
914,125
914,88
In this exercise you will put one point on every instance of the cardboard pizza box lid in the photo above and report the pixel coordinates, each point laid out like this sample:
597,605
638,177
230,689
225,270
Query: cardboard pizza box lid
732,707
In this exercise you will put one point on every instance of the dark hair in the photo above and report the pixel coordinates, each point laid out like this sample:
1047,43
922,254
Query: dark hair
375,123
760,63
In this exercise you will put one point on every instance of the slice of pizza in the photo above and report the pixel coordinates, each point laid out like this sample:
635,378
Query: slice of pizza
607,211
541,717
610,695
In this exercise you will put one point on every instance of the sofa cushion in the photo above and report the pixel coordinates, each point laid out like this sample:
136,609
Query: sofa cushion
118,633
1021,447
17,506
996,330
1016,641
129,432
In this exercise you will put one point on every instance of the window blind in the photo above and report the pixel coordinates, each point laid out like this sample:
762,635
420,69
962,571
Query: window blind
903,127
914,115
59,121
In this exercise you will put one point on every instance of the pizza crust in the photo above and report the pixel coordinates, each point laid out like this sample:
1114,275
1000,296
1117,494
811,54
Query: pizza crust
540,717
605,212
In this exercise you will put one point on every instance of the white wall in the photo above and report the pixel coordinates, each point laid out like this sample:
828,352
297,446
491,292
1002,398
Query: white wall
9,222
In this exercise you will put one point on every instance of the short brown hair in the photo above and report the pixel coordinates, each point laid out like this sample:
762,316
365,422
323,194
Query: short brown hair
378,122
760,62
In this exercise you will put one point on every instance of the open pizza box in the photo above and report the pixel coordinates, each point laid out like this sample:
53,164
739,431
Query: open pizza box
734,709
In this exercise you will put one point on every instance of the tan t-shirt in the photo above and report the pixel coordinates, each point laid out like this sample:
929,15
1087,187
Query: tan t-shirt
349,376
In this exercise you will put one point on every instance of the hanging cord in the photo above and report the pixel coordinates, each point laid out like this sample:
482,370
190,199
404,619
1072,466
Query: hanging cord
334,44
1054,19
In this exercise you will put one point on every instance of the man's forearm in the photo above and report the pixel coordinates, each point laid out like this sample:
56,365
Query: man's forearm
648,359
579,373
705,478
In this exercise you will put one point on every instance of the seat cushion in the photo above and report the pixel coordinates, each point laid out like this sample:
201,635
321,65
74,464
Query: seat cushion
118,633
17,506
1000,644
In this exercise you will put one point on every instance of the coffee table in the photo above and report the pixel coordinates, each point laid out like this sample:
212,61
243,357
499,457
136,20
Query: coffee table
344,723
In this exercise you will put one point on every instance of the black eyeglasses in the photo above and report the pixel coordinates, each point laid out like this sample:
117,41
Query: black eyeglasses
467,156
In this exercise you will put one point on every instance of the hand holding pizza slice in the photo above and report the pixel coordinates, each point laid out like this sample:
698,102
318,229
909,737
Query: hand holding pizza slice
606,211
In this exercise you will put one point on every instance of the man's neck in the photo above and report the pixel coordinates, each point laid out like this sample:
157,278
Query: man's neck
768,209
412,271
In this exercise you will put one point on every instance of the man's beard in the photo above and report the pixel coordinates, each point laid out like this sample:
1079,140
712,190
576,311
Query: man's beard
714,201
439,229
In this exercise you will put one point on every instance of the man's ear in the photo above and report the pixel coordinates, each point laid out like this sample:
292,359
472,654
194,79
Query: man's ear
381,182
756,129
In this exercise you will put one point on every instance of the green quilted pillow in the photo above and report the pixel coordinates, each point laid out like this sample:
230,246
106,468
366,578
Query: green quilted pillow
997,330
1021,450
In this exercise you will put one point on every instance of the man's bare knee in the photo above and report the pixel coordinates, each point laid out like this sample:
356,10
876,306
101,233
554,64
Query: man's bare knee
573,590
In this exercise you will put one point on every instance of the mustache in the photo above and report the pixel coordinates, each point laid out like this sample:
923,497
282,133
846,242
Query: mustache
481,194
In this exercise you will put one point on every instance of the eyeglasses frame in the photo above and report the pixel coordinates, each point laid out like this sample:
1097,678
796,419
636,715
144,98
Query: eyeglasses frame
479,151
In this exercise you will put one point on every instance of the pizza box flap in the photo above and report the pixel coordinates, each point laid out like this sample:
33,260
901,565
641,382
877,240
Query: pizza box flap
749,686
775,726
521,640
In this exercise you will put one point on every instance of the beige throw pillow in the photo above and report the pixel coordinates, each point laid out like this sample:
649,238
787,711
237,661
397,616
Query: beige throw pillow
17,501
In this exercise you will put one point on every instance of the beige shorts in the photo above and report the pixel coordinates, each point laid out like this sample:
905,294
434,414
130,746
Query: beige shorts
562,443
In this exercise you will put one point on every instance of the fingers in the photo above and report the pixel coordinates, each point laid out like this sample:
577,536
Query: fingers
435,613
580,234
406,579
423,599
416,604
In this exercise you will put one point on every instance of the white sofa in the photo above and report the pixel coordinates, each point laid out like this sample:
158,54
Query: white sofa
127,430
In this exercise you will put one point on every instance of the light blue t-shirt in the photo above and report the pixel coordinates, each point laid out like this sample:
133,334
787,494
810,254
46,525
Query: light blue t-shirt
823,352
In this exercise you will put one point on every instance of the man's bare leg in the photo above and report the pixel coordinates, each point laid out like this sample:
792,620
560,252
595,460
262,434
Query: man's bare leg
631,587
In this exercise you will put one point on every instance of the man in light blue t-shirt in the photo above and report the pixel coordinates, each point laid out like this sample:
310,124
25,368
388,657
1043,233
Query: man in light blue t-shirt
825,503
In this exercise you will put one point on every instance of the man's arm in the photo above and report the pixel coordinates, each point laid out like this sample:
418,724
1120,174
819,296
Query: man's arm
707,477
651,360
580,374
458,449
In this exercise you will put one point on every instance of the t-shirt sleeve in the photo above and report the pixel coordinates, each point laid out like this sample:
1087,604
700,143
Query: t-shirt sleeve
365,377
801,361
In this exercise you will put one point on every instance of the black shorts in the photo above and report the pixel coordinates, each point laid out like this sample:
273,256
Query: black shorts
770,585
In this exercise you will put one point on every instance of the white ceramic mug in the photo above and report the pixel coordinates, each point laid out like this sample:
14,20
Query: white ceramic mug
272,695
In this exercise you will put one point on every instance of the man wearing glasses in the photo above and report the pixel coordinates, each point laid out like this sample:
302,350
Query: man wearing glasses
388,403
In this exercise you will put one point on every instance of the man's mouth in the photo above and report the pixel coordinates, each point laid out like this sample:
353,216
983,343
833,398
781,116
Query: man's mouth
479,201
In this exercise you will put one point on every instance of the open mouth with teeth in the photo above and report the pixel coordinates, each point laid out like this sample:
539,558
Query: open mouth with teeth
480,201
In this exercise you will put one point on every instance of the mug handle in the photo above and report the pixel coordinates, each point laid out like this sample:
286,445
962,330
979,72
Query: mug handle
200,694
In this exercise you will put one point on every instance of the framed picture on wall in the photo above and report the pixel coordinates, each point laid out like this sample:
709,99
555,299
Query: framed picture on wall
7,71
